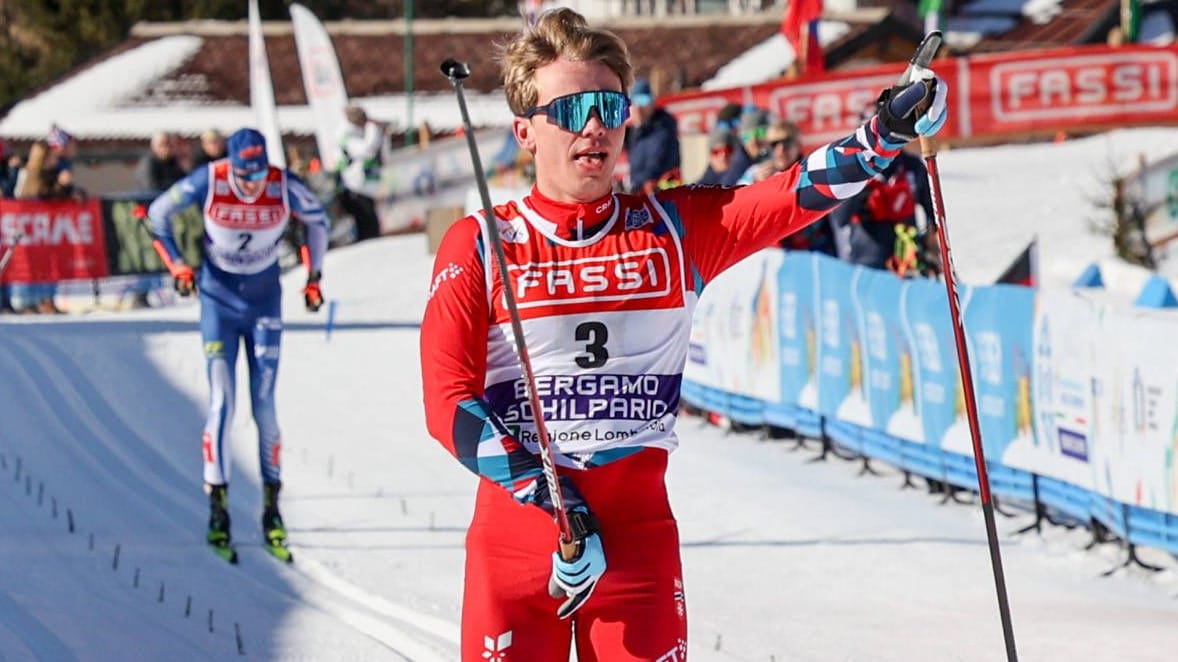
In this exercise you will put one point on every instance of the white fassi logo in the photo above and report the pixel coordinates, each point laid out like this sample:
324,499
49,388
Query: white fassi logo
638,274
1081,87
495,648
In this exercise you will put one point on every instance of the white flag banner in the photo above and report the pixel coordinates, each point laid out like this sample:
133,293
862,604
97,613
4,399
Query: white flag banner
262,90
323,82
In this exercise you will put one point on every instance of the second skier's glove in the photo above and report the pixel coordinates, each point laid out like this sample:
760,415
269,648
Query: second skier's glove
576,577
917,109
312,295
183,279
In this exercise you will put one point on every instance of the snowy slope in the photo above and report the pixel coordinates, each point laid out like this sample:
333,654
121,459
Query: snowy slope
784,559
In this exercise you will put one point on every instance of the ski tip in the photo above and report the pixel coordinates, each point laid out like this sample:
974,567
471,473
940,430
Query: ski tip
280,552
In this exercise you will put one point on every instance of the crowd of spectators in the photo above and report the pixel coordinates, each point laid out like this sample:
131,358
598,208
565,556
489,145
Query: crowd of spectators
887,226
46,172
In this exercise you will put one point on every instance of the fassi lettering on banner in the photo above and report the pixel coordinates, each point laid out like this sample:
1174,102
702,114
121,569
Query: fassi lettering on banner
44,228
1065,87
828,109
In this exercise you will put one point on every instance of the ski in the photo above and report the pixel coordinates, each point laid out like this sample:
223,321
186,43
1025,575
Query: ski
226,551
279,550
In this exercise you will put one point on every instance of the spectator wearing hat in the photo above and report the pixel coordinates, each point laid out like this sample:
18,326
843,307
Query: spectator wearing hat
652,142
722,146
729,117
751,149
783,144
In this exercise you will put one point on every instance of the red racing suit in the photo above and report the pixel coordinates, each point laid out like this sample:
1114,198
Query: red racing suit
605,292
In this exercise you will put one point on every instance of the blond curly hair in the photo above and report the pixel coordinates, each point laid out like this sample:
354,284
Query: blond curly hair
557,33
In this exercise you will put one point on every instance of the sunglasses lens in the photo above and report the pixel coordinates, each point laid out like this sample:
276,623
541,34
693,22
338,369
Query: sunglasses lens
572,112
253,175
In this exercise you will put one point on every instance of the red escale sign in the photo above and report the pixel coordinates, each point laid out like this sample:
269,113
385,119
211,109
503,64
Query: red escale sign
59,240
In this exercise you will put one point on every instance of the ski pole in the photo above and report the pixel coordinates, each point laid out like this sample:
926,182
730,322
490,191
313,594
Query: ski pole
16,239
457,71
928,150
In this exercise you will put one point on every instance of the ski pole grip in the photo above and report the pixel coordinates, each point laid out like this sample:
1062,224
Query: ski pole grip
928,147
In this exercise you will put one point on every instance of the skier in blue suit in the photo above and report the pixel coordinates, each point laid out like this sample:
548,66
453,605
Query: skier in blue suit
247,205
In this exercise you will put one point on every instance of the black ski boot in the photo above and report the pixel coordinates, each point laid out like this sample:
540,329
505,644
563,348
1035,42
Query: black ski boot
272,527
218,533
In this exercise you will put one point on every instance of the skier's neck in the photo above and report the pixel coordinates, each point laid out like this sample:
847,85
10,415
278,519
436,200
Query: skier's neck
573,220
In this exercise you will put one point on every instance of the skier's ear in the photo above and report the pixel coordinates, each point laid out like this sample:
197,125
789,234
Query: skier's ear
521,127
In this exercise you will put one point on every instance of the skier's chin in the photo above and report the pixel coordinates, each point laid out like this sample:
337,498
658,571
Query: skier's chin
587,187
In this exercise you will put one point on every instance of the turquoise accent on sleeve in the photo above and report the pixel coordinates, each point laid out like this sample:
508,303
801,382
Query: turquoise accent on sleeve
677,223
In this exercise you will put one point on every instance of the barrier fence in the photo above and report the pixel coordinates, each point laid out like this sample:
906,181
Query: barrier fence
1077,396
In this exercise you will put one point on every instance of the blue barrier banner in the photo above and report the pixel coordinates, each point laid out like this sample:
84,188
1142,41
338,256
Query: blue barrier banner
998,326
937,383
887,357
797,330
839,367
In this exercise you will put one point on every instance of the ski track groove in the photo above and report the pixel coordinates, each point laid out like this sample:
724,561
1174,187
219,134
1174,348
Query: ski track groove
48,369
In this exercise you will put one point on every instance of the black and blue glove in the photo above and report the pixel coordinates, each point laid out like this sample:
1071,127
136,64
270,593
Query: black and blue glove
576,569
917,109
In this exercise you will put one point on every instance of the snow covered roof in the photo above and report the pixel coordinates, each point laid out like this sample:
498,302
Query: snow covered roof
127,96
188,77
768,59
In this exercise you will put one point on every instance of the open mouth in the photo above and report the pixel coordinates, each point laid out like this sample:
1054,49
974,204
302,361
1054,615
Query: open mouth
592,158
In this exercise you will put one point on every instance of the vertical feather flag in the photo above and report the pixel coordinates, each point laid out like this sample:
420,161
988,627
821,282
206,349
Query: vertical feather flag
262,90
799,25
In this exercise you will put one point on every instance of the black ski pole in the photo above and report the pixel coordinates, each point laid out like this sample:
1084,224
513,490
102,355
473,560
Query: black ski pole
457,72
928,149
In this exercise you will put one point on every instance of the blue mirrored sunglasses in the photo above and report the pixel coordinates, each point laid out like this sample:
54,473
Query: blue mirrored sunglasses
571,112
252,175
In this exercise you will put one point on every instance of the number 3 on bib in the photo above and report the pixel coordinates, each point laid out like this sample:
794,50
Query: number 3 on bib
595,335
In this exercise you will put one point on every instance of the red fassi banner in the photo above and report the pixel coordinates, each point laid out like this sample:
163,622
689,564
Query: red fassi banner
60,240
991,96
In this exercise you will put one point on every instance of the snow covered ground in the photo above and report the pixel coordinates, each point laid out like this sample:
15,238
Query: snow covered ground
784,559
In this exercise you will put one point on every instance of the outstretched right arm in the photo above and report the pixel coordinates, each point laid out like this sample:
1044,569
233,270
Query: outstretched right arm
454,367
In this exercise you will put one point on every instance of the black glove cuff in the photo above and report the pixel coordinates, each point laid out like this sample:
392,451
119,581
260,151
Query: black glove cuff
582,524
314,277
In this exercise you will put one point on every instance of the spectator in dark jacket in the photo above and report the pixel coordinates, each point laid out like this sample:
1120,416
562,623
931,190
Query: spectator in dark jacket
652,143
751,127
160,168
722,145
878,228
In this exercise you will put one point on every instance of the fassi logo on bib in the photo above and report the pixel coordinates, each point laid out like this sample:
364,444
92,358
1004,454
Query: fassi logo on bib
633,275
